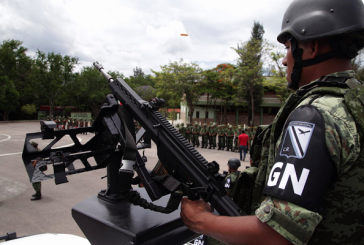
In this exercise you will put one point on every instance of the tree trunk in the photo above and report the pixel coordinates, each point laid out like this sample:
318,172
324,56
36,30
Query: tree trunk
190,110
225,116
5,115
252,99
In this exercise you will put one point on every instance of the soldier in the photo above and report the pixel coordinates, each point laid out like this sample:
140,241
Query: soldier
232,178
221,135
205,135
63,122
230,138
196,134
68,123
236,142
182,130
188,132
312,176
86,125
177,127
212,136
36,185
75,123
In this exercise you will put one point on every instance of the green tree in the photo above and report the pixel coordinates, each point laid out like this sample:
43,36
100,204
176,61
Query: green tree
177,80
145,92
52,73
9,97
278,82
29,109
92,88
250,69
15,68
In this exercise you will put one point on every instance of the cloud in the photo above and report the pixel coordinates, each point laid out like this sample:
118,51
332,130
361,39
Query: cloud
126,34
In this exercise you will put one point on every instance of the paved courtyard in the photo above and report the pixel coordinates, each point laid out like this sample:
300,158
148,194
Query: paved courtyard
52,214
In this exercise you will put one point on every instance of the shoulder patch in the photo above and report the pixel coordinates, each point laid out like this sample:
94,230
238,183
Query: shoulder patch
296,139
303,168
228,183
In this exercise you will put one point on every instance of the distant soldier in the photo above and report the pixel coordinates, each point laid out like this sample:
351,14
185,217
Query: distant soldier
221,135
75,123
63,122
232,178
86,124
236,142
177,127
196,134
68,123
205,136
213,133
36,185
81,124
230,138
182,130
189,132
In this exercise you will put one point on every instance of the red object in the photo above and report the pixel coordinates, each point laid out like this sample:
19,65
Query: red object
243,139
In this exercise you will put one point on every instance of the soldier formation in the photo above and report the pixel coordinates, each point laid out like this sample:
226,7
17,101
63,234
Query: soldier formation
68,122
227,135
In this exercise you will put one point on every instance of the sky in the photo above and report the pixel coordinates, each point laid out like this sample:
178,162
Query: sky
123,35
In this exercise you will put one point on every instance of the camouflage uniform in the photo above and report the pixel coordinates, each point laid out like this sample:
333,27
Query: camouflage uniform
221,132
230,186
213,132
189,132
196,134
36,185
205,135
342,220
182,130
229,138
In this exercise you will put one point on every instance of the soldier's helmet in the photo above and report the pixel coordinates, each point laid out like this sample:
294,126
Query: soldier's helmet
188,124
182,124
239,126
234,163
204,124
177,125
211,123
34,144
230,126
307,20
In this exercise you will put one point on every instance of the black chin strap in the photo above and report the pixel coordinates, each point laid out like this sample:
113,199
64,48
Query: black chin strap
297,67
299,63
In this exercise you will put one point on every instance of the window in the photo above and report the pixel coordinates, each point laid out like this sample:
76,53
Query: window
207,114
197,114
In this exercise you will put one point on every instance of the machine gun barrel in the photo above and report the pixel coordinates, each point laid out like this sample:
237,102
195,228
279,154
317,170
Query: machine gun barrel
101,69
199,178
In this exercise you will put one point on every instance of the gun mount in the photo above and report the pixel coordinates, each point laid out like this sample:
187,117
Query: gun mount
115,146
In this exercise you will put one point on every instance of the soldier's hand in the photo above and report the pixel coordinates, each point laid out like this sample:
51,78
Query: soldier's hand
193,213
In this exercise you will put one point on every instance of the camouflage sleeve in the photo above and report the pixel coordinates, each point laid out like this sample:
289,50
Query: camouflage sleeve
295,223
342,139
